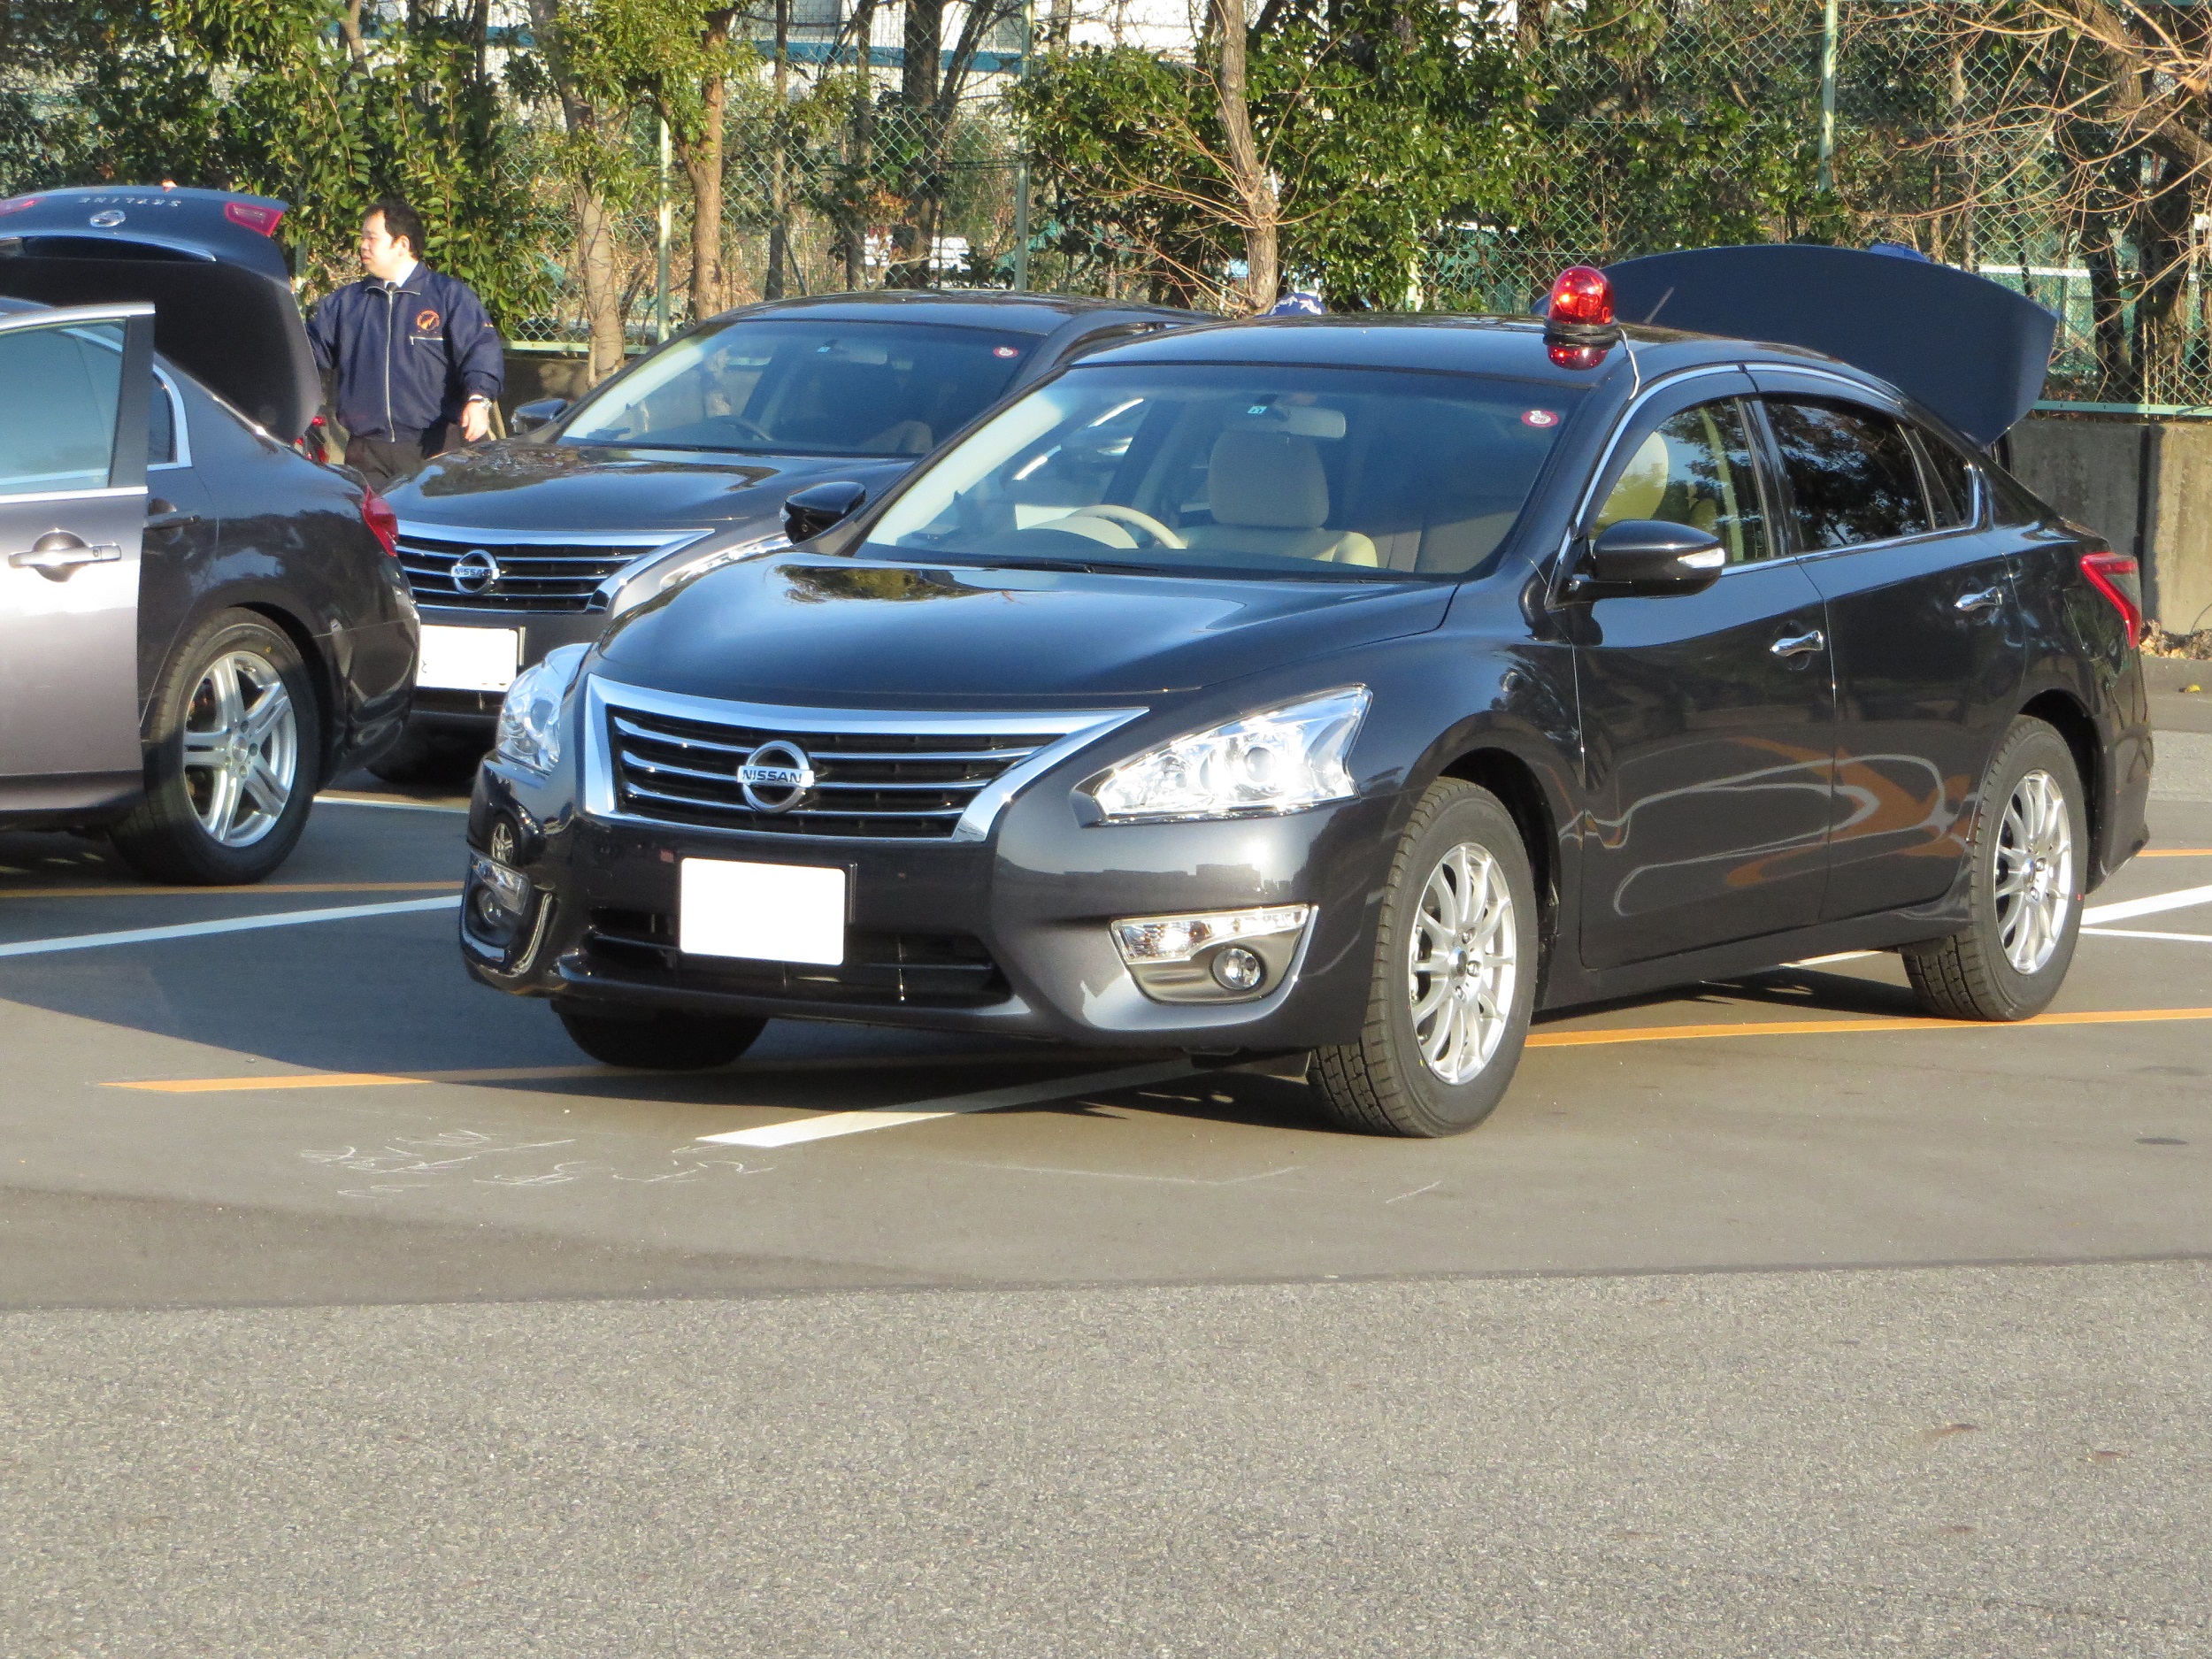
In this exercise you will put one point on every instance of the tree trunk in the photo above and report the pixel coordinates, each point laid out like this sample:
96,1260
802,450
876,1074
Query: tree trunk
702,160
1259,213
924,44
595,228
861,148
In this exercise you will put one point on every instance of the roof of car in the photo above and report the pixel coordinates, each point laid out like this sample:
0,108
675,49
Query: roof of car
972,308
1515,347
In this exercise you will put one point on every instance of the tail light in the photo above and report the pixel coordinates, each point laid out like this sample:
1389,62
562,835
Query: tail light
2118,578
382,521
1581,296
265,220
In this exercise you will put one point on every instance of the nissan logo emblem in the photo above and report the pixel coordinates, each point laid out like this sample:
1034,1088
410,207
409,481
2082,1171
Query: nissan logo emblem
476,571
108,219
776,777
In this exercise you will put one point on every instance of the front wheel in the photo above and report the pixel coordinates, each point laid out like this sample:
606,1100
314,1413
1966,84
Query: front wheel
234,745
663,1040
2025,889
1454,976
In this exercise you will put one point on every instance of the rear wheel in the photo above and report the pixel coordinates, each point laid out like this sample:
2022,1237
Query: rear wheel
2029,856
663,1040
234,741
1454,976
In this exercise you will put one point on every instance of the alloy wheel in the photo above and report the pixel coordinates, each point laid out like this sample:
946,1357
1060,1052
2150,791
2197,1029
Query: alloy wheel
2035,871
241,748
1461,963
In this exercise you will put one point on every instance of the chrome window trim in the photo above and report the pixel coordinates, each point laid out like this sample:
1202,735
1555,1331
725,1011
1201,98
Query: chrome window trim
103,493
182,432
1074,729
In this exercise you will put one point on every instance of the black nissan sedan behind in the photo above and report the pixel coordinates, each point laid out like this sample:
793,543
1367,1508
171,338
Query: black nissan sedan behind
519,547
1353,686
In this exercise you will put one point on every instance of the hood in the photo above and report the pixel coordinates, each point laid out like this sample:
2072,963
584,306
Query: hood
223,306
808,628
1970,349
517,485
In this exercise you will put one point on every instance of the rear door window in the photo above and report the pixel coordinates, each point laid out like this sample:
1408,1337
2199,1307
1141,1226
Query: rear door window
1850,473
57,417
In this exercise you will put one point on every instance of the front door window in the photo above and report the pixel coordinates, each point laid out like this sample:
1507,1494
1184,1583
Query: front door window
1695,469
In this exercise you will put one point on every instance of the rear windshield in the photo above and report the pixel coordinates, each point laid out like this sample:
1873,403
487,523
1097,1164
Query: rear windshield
802,387
1240,467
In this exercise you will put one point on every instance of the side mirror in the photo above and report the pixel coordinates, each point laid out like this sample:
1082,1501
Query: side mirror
815,509
543,412
1654,556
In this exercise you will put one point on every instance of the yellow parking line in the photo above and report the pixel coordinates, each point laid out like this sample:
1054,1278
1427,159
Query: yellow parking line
539,1073
262,887
2175,852
1830,1027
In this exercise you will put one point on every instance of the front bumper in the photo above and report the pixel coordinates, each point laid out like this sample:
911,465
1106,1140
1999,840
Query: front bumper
475,714
1007,934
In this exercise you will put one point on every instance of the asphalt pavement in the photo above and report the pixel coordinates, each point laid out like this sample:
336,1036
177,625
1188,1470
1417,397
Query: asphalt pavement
346,1309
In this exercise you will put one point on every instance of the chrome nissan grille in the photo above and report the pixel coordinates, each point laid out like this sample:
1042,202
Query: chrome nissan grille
666,757
557,573
866,783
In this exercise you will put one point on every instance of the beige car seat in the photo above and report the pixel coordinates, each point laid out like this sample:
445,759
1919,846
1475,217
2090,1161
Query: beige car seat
1270,496
1667,479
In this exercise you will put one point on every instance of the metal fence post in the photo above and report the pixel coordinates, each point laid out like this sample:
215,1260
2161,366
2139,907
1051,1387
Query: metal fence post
660,273
1021,162
1828,31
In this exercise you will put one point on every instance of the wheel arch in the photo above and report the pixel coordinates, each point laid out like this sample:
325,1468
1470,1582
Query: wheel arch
2065,713
1510,777
320,670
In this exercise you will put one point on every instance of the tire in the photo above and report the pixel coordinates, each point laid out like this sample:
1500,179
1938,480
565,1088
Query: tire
434,758
1461,839
2012,957
664,1041
233,754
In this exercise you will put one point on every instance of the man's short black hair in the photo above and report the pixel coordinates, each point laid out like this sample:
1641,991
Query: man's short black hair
399,221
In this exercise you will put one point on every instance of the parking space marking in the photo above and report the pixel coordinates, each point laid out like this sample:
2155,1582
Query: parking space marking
1602,1036
265,886
546,1073
2130,933
400,803
828,1125
2097,915
228,925
2175,852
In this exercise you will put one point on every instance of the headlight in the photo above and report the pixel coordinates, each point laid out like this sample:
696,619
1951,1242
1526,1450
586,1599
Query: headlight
656,580
1278,760
530,719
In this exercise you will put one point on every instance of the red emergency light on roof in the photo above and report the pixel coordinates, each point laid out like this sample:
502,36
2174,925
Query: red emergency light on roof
1581,296
265,219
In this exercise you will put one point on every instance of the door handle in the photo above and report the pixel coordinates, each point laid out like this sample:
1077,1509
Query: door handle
1799,644
57,554
1987,599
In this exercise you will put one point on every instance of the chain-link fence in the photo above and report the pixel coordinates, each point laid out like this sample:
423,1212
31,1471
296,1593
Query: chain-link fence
1971,133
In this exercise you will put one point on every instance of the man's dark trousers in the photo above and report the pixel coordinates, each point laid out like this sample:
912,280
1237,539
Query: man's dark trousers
384,462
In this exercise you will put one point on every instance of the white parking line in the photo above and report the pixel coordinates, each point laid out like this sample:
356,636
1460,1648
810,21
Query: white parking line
2097,915
389,802
229,924
2130,933
831,1125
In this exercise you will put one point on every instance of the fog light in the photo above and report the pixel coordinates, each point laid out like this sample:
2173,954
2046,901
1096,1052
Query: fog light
499,901
1213,955
1237,969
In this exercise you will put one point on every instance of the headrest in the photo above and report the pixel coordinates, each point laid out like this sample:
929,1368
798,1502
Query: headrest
1642,486
1270,480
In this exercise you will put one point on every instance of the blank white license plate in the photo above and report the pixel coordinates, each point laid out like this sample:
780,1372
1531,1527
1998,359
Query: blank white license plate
469,659
763,912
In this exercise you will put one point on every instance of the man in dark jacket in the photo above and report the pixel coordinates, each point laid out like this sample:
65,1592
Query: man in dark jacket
416,355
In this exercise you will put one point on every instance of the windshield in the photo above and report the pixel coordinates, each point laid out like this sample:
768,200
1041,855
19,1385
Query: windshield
1313,471
807,388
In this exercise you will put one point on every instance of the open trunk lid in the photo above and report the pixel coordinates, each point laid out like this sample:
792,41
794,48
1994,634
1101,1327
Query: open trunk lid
223,306
1970,349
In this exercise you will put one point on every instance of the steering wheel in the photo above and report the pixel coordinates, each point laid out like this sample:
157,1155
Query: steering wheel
1133,520
747,426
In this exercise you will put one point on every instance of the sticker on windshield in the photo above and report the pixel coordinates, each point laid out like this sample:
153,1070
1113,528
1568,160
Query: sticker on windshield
1006,352
1539,418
